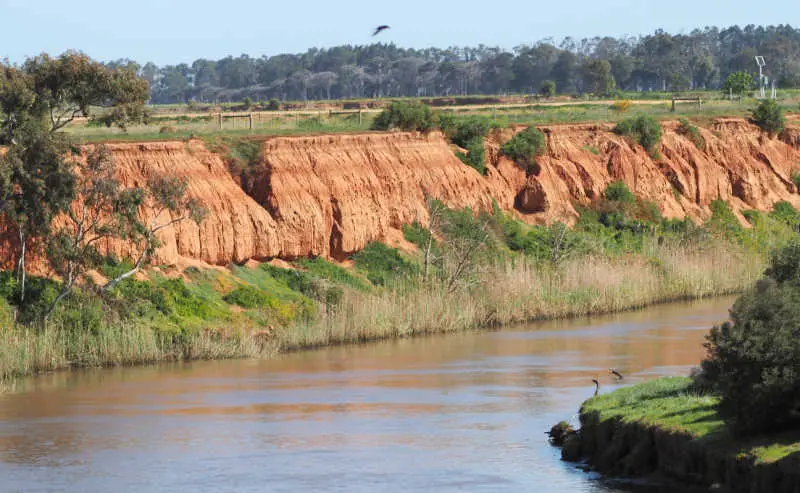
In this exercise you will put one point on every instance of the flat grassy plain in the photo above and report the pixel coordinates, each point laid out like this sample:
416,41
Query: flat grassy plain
170,124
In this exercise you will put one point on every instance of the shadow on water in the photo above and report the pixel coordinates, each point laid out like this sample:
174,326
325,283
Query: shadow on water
464,412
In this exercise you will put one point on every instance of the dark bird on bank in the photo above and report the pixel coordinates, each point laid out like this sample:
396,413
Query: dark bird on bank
379,29
596,386
614,372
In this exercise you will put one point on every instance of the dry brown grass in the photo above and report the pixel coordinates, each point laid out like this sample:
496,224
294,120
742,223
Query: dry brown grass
515,290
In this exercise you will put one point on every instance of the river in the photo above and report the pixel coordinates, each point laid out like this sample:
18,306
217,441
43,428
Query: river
463,412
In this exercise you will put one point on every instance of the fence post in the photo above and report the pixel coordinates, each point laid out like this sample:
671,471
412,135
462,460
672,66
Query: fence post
219,120
250,120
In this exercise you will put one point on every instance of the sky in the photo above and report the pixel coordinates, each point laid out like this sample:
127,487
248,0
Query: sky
175,31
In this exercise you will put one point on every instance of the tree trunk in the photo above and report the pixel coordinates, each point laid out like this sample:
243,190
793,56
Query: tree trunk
136,268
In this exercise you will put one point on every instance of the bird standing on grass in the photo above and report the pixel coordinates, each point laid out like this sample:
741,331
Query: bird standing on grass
596,385
379,29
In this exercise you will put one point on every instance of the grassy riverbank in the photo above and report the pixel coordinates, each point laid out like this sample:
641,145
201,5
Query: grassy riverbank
673,406
668,428
484,270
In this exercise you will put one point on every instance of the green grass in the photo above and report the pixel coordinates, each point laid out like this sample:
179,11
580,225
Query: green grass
332,272
673,405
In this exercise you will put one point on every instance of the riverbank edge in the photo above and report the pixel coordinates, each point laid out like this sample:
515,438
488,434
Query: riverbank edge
619,448
255,347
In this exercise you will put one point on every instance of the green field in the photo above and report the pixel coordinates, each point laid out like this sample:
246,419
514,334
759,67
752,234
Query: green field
170,122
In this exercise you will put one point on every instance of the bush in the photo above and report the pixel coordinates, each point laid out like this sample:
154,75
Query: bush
248,297
786,213
723,220
273,105
768,115
644,130
618,191
167,129
409,117
469,130
382,263
621,106
548,89
752,361
796,179
475,156
692,133
524,148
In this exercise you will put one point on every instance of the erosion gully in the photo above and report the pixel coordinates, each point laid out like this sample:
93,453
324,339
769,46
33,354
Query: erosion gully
462,412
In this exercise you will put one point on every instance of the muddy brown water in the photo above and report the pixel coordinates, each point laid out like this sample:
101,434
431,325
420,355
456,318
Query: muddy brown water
460,412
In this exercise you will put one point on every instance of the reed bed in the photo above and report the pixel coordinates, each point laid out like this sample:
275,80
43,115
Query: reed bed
530,291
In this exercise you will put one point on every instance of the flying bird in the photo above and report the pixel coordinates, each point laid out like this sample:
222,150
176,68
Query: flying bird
614,372
379,29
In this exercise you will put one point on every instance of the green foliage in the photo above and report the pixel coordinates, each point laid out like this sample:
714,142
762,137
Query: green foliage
247,103
524,148
600,77
308,284
692,133
273,105
768,115
738,83
618,191
468,134
475,156
547,89
469,130
248,297
332,272
418,235
752,361
723,220
594,150
786,213
796,179
644,130
551,244
383,264
407,116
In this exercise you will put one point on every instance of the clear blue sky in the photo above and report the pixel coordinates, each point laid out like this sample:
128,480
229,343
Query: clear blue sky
174,31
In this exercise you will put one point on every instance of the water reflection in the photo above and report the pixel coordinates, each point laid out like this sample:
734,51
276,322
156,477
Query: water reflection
459,412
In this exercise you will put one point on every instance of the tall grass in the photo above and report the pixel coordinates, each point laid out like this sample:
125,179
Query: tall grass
530,291
582,286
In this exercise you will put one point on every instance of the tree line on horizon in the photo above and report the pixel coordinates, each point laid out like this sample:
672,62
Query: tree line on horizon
701,59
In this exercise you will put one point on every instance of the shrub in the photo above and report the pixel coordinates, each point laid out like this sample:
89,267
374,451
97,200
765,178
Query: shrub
723,220
524,147
248,297
786,213
618,191
273,105
382,263
475,156
621,106
548,89
469,130
768,115
644,130
796,179
752,361
409,117
692,133
167,129
247,103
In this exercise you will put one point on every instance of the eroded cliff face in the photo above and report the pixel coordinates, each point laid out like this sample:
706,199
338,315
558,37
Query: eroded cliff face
331,195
